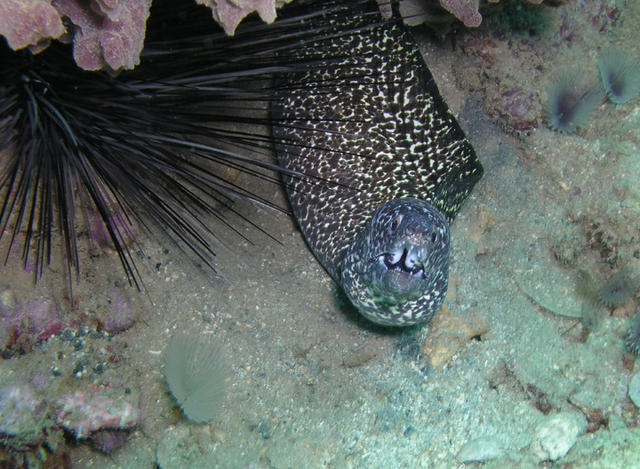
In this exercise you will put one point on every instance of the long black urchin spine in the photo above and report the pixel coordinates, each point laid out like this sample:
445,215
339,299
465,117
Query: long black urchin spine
147,148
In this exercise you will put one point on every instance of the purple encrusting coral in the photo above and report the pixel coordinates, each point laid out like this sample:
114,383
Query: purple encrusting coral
99,415
117,315
29,23
123,227
24,323
105,34
110,34
86,412
467,11
620,74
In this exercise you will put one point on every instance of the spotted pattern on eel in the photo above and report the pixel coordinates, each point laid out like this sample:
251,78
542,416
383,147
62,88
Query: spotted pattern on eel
386,166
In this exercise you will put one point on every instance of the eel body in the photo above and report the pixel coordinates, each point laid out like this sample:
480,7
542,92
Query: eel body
386,166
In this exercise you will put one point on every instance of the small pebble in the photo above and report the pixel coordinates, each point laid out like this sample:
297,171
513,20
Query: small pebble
410,430
634,389
556,435
117,315
263,429
481,449
107,440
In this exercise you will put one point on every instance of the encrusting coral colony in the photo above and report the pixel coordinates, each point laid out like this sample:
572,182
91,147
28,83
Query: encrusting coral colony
110,33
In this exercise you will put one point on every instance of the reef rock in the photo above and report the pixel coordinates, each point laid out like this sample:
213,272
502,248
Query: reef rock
556,435
86,412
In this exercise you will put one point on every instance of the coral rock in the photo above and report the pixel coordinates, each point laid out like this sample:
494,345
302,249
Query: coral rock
111,33
29,23
22,324
22,415
108,440
634,389
556,435
449,333
84,413
465,10
117,315
229,13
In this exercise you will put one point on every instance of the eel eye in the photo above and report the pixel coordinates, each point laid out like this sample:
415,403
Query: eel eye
434,237
396,223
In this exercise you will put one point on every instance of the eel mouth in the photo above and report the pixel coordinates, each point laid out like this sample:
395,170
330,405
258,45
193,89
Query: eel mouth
403,260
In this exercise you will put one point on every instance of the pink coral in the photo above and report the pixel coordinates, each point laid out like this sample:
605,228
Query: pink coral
86,412
416,12
229,13
117,315
106,33
29,23
465,10
110,33
24,323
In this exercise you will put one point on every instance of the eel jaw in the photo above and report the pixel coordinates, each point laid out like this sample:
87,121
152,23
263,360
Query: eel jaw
401,270
396,270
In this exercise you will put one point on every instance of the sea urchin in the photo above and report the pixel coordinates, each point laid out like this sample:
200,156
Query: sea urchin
90,151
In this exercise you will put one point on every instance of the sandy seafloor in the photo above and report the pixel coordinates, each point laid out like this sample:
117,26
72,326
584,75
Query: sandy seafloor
314,386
